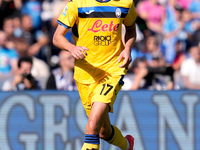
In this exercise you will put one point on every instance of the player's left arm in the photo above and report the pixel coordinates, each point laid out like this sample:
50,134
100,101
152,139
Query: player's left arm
130,37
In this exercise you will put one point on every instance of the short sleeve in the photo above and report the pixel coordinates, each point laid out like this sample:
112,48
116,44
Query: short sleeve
130,19
69,15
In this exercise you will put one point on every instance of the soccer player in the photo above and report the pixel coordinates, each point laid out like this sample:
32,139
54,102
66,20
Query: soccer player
101,61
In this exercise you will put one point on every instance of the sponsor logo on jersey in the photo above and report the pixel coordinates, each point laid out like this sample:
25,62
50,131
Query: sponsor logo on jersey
102,40
65,11
98,26
118,12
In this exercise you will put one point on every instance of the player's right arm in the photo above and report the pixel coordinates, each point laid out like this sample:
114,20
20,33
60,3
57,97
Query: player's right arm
61,42
65,21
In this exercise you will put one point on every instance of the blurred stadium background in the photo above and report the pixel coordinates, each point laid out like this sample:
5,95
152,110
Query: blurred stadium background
160,116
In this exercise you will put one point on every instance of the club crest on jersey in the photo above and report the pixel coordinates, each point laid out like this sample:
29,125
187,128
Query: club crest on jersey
118,12
65,11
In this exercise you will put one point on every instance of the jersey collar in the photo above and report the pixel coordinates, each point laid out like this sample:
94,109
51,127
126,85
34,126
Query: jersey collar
102,1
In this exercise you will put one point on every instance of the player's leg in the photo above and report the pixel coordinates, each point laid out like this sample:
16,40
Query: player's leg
115,138
96,118
91,141
113,135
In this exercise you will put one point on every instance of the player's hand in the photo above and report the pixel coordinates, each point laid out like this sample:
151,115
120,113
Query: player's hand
125,56
79,52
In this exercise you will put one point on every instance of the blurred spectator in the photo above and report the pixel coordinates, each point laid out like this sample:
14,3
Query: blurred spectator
185,3
62,77
150,50
190,24
153,13
173,30
24,80
190,69
162,72
181,55
146,77
153,48
135,80
9,8
36,39
33,8
194,8
159,75
17,27
8,28
164,77
8,57
40,70
196,37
